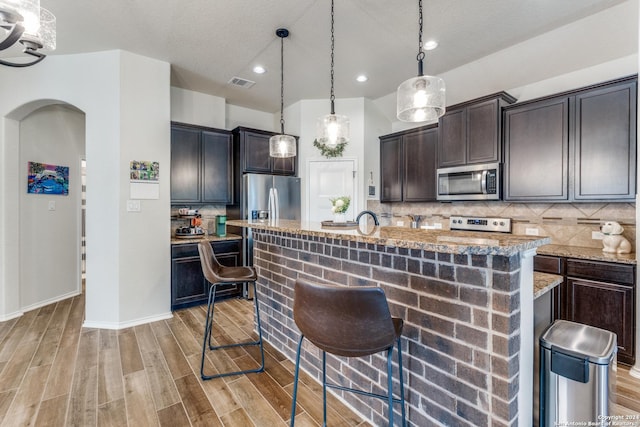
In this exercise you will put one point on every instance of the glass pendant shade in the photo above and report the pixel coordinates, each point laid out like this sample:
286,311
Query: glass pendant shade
421,99
282,146
332,129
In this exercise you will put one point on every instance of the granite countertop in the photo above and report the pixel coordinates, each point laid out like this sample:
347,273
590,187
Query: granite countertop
205,238
544,282
456,242
579,252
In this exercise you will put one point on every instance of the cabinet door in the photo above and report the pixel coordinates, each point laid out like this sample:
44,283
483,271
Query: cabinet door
217,167
391,169
185,165
605,161
483,132
420,165
605,306
188,285
256,152
537,151
452,143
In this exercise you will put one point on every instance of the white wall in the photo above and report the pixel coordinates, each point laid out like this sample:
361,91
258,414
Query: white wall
50,239
241,116
115,131
197,108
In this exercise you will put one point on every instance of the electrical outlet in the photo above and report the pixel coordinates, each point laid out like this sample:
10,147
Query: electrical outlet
597,235
437,225
52,205
531,231
400,223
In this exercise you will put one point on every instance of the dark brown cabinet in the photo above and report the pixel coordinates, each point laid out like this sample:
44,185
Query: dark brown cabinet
599,294
536,151
252,153
201,165
188,285
605,150
471,132
408,165
577,146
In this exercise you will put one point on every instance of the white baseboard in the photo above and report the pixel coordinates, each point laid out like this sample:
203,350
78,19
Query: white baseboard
10,316
635,371
39,304
128,324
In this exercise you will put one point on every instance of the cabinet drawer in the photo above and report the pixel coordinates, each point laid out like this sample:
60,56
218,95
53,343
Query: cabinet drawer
547,264
184,250
226,247
601,271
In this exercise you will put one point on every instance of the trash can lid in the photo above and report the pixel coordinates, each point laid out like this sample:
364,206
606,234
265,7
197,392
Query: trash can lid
580,340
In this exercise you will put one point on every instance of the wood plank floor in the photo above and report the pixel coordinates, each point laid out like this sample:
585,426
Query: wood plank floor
53,372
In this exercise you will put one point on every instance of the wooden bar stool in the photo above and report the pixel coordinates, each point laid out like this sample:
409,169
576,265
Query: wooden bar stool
349,322
217,274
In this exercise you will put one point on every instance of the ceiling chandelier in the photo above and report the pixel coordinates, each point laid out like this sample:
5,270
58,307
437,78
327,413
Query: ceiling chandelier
282,145
333,129
421,98
26,22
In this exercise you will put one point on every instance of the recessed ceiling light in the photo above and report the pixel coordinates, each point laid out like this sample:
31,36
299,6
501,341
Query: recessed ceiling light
430,45
362,78
259,69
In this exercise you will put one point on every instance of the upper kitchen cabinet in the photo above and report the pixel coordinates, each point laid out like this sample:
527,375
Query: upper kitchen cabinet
470,133
252,153
408,165
605,148
576,146
536,151
201,165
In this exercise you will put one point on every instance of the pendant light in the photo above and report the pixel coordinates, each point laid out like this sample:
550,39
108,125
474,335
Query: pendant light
282,145
333,129
421,98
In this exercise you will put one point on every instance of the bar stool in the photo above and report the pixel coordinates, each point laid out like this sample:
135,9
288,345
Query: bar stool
349,322
217,274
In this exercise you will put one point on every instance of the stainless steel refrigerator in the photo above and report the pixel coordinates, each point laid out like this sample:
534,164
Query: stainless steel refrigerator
266,198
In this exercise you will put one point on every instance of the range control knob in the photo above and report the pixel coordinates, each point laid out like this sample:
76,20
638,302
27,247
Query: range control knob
495,222
502,223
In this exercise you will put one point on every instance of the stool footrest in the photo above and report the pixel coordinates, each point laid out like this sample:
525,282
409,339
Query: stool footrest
362,392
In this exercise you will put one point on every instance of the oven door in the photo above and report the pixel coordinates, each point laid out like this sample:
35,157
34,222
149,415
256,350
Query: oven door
473,182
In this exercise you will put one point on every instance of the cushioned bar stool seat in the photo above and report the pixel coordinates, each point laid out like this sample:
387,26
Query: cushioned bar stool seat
349,322
217,274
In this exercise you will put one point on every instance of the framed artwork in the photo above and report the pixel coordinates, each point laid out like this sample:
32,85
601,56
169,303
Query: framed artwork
43,178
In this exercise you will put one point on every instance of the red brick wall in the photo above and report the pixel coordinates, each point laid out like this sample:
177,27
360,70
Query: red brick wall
461,336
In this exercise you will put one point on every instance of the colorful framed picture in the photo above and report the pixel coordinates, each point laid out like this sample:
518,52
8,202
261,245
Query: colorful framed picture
43,178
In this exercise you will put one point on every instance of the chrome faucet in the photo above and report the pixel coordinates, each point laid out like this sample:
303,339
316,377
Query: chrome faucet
375,218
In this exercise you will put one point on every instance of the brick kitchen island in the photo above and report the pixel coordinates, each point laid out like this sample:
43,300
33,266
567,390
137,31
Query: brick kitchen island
466,299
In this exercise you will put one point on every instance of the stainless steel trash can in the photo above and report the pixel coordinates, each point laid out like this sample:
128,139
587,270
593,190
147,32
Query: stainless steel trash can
577,374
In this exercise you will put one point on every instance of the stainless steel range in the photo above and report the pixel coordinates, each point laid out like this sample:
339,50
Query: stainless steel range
468,223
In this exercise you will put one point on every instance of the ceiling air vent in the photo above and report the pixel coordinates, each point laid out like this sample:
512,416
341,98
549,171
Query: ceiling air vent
240,82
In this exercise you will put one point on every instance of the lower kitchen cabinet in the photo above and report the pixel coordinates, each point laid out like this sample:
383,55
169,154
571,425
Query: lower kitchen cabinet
600,294
188,285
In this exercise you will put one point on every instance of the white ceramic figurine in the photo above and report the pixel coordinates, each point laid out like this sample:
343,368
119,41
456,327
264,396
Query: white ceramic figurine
613,241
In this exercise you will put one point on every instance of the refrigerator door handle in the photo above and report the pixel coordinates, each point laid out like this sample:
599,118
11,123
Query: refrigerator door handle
276,208
271,203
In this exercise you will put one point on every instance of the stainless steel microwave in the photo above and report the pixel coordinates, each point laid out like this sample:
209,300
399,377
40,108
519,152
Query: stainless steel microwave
471,182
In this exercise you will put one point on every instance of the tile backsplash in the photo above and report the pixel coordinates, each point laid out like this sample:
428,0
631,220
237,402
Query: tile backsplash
566,223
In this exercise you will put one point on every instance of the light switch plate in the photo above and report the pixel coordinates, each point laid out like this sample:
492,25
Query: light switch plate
52,205
133,205
400,223
531,231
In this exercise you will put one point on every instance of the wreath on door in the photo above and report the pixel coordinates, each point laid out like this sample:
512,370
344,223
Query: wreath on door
330,151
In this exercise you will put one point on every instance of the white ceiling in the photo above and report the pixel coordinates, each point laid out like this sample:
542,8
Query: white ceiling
210,41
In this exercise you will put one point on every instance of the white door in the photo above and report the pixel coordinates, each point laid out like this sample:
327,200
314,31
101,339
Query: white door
329,179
